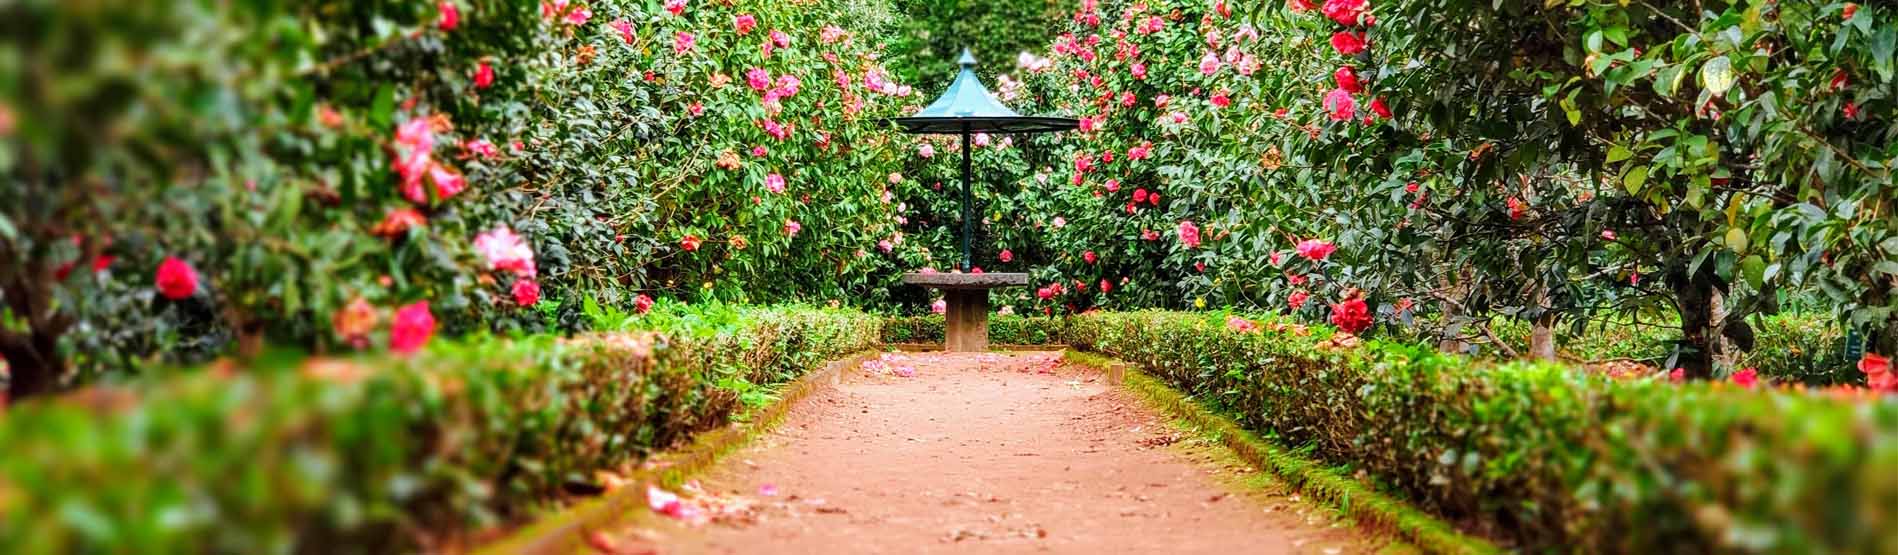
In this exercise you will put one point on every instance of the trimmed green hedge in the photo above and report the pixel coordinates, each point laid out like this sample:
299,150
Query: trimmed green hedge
1004,329
1788,348
385,454
1542,456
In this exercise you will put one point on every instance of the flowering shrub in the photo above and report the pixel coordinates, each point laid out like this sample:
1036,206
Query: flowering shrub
383,453
382,172
1542,456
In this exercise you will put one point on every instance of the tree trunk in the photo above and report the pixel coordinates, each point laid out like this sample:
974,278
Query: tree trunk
1542,337
1694,297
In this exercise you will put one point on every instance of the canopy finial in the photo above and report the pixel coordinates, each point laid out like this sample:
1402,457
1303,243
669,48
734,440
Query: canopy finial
968,58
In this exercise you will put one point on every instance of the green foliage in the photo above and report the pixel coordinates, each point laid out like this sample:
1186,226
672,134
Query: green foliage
1004,329
377,453
934,32
1545,457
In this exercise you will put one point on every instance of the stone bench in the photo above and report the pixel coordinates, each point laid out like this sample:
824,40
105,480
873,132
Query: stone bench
966,323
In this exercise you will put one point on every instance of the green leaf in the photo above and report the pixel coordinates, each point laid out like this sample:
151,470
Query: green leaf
1634,179
1717,75
1619,153
1737,240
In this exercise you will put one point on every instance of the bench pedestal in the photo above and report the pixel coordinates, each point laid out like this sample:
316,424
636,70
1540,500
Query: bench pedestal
966,323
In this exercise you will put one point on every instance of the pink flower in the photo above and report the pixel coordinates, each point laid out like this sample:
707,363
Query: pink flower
1113,185
1340,105
1347,79
1348,43
1240,325
886,246
775,130
677,7
1678,375
413,327
1209,64
625,29
926,151
1007,256
1345,12
780,38
939,307
690,242
695,109
481,148
1220,99
744,23
831,34
758,78
1274,258
526,292
1297,299
1747,377
579,16
774,183
416,135
981,139
896,178
447,182
1142,152
791,227
642,304
451,15
1878,375
759,151
683,41
1090,257
1140,195
1300,5
1352,316
504,251
1139,70
176,279
1316,249
1189,234
1044,293
1608,234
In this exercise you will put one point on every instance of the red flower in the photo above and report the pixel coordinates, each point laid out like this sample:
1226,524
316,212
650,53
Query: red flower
1840,80
1878,375
1189,234
398,222
413,327
1851,110
1044,293
1140,195
1747,377
1347,79
1297,299
1316,249
1679,375
526,292
1516,208
1106,287
1378,107
642,304
176,279
1851,9
1221,100
484,75
1089,257
1007,256
1345,12
744,23
1300,5
690,243
625,29
451,15
1410,187
1340,104
1348,43
1352,315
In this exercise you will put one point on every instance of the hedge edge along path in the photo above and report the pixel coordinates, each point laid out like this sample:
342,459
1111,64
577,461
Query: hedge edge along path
1362,504
566,531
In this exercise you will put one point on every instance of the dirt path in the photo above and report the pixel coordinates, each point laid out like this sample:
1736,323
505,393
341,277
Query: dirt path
990,453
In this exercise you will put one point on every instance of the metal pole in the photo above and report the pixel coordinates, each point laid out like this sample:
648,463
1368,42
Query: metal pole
968,225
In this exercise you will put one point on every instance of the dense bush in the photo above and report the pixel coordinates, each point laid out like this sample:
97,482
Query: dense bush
313,164
1004,329
1791,347
382,453
1545,457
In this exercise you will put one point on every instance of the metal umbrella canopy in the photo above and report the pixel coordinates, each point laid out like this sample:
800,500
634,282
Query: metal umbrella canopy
968,108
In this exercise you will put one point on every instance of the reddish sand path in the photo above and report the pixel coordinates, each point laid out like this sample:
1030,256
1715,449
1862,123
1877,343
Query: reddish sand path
991,453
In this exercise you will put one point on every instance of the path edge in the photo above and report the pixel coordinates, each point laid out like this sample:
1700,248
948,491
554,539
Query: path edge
568,530
1367,507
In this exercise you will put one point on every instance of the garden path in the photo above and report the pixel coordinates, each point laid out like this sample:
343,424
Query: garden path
991,453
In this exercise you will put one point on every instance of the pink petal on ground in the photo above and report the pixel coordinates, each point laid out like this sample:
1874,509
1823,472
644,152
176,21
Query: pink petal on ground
768,490
662,501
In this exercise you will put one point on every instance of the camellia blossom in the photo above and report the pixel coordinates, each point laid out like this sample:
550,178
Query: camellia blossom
1316,249
398,222
1006,256
505,251
176,279
1209,64
1378,107
412,328
926,150
354,322
774,183
792,227
642,304
831,34
1746,377
1345,12
1340,105
1297,299
690,243
676,7
1878,375
1347,79
479,148
1189,234
1348,43
1240,325
886,246
939,307
451,15
744,23
780,38
625,29
526,292
1352,316
1090,257
682,42
1221,100
579,16
758,78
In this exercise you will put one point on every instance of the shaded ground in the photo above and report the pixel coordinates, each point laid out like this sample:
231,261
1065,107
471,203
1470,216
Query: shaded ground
989,453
